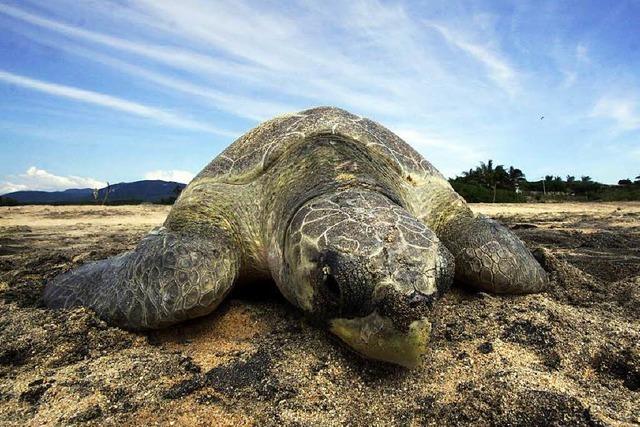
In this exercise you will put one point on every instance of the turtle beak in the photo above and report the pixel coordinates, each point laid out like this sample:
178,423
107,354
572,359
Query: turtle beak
376,337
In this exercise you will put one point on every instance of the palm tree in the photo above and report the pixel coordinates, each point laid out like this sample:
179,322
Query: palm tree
516,176
487,176
492,176
485,172
501,178
471,175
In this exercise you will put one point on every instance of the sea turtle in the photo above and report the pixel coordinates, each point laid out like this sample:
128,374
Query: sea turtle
354,226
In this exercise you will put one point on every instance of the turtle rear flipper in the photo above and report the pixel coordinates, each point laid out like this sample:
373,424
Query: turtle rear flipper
490,257
169,277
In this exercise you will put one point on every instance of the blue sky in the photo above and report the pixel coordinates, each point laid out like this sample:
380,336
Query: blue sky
98,91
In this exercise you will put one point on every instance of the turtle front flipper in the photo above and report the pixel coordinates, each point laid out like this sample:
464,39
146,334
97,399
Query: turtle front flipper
490,257
170,276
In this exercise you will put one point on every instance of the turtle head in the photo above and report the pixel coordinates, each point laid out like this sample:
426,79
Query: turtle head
369,270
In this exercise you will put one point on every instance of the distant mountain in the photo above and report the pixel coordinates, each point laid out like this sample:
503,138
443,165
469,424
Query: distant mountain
146,191
140,191
74,195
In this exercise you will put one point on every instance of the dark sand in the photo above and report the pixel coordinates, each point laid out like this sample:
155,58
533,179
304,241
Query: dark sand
570,356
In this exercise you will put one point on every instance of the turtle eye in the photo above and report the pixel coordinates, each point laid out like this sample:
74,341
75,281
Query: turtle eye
329,261
331,285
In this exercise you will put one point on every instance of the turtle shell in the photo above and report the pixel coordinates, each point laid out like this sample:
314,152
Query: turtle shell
254,152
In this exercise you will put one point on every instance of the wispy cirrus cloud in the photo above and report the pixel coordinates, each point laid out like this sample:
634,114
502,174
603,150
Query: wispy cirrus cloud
177,57
622,110
239,105
256,57
110,102
499,70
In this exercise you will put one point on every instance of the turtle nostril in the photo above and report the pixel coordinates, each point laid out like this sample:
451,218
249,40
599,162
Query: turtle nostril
332,286
416,298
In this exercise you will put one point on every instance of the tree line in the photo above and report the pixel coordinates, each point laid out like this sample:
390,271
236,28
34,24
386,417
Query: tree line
497,183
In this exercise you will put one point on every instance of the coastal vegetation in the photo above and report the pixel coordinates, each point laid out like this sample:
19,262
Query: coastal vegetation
500,184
